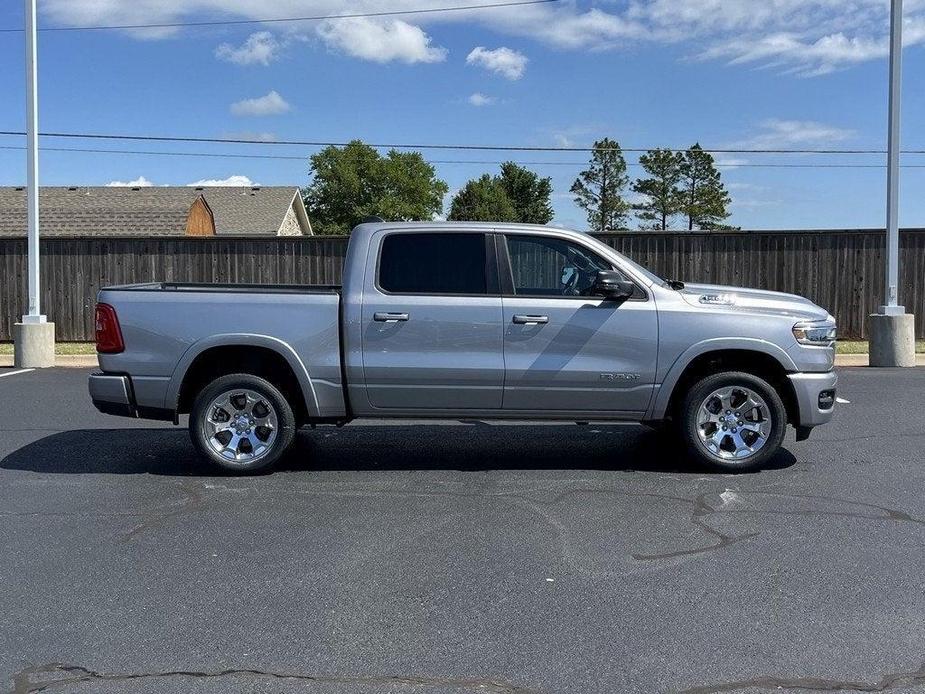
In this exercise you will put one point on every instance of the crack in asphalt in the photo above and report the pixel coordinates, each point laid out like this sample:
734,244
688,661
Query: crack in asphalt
192,501
889,681
701,510
72,674
888,513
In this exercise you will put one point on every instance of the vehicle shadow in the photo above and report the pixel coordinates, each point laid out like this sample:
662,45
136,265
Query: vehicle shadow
471,446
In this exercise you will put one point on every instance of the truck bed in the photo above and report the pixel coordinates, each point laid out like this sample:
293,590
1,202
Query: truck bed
227,287
167,326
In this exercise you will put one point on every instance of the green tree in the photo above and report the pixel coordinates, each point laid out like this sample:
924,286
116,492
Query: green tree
352,182
661,189
528,193
482,200
599,189
704,199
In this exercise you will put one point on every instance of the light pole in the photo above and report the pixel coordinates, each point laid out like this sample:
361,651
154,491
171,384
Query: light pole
34,337
892,330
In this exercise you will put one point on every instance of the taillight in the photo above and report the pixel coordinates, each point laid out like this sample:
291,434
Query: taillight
108,332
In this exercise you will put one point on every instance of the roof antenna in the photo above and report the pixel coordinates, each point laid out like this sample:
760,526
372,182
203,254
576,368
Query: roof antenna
372,220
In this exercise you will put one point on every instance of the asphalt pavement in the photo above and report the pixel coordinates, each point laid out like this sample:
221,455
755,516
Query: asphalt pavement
459,557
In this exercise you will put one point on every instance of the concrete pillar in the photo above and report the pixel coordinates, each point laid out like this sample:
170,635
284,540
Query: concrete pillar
892,339
33,345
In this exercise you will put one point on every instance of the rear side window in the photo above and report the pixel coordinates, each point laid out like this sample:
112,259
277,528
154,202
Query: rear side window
433,264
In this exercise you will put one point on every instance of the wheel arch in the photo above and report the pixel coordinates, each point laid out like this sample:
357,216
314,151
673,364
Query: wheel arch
756,357
259,355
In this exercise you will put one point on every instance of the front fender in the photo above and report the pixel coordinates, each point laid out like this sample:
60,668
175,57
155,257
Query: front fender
663,393
172,397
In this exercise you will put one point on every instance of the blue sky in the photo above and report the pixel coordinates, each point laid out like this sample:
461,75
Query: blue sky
726,73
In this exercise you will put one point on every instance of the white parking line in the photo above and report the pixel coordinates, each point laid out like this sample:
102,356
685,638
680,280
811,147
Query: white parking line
13,373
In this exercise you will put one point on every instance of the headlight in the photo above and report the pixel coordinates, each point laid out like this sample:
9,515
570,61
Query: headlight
819,333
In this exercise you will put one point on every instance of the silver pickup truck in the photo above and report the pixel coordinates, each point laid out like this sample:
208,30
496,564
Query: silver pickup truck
460,320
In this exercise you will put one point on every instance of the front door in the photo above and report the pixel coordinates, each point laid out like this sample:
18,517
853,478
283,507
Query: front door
432,333
566,351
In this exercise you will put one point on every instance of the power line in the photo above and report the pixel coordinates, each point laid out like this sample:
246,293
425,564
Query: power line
477,162
480,148
313,18
217,155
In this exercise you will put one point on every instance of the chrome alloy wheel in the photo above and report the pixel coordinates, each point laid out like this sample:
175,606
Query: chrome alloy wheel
241,425
733,423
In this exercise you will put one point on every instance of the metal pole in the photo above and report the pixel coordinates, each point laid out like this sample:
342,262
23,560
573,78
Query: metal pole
32,164
891,299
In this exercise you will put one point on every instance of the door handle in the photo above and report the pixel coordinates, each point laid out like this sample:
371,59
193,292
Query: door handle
390,317
530,320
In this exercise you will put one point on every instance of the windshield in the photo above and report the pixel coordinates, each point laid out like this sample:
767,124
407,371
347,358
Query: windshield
645,272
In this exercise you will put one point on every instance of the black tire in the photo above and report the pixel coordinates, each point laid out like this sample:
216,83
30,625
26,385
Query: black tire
278,442
689,429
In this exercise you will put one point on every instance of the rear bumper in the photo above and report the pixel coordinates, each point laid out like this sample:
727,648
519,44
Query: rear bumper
815,394
115,394
112,394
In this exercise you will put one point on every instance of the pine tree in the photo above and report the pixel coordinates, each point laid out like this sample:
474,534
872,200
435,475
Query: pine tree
599,189
704,199
661,188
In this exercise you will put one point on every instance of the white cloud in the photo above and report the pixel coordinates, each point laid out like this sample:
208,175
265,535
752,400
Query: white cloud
260,48
593,30
806,59
140,182
801,37
503,61
776,133
270,104
235,180
380,41
479,99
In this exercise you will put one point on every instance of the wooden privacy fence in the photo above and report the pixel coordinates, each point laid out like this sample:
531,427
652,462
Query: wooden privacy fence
840,270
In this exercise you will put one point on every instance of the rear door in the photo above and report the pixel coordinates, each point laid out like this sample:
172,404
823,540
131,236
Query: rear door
566,351
432,331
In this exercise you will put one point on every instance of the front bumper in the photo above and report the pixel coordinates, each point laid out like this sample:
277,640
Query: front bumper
112,394
815,394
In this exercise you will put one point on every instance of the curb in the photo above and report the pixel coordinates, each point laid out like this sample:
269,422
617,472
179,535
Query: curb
864,360
80,361
852,359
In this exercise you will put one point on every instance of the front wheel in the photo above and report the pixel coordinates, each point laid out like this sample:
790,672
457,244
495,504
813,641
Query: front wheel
242,423
733,422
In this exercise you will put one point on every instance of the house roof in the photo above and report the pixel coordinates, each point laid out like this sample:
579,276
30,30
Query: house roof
147,211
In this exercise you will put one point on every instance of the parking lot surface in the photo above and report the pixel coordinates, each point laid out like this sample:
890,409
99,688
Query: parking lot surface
459,557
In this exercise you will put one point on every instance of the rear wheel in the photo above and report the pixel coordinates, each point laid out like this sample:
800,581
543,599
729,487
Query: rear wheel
242,423
733,421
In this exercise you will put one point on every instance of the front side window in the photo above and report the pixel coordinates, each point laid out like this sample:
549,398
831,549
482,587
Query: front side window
546,266
433,264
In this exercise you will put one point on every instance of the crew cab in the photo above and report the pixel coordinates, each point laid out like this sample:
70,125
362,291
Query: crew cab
465,320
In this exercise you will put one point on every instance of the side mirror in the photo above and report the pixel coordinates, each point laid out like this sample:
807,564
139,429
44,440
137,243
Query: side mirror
612,285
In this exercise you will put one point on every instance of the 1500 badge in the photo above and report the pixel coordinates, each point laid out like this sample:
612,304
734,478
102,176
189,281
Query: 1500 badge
620,377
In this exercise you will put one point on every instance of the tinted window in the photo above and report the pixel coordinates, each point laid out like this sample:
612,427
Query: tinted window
433,264
545,266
